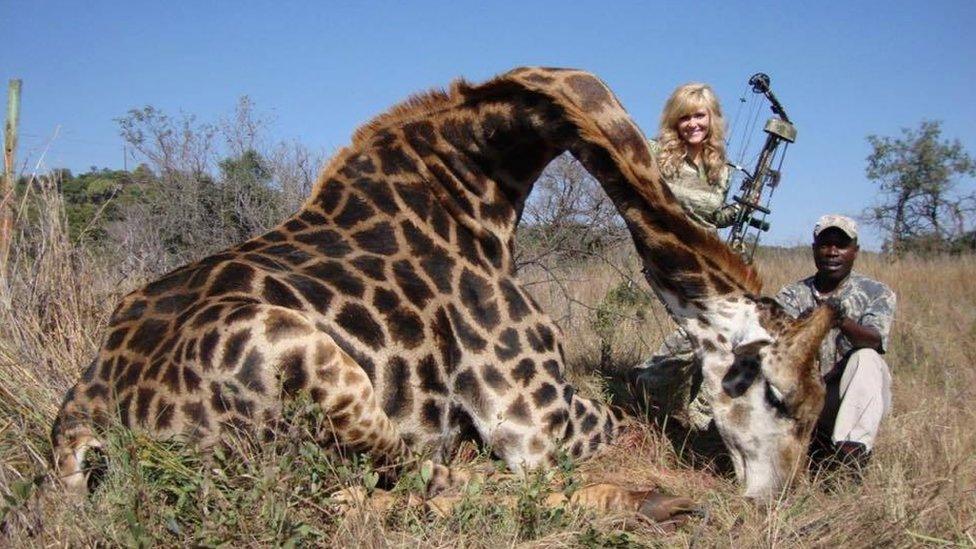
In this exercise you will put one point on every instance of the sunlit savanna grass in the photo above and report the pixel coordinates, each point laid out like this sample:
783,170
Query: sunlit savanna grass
919,488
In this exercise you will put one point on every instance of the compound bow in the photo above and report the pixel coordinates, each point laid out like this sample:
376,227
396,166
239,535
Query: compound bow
779,133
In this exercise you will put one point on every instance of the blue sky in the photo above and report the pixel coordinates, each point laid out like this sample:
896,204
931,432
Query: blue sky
842,70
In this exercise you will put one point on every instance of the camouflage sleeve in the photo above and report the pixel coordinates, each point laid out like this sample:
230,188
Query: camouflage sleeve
654,146
725,216
879,314
788,297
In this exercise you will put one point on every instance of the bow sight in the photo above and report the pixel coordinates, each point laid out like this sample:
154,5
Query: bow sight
779,132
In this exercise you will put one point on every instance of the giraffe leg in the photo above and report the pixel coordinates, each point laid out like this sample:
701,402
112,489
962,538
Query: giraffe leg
607,497
592,427
601,498
346,395
347,398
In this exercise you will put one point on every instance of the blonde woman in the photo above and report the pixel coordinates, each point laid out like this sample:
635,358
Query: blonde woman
690,152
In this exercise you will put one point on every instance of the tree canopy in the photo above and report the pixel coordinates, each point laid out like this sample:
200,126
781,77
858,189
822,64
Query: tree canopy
919,206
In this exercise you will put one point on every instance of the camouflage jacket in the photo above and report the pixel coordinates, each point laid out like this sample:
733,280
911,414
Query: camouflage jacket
703,201
869,302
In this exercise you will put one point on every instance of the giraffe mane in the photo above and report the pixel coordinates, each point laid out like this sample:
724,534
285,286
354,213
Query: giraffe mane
415,106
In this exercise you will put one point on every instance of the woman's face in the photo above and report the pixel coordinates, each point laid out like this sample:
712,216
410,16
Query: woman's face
693,127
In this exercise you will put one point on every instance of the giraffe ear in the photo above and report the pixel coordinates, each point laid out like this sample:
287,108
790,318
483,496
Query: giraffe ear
750,340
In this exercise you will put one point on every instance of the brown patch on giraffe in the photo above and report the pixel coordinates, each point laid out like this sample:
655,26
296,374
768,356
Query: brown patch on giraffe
739,415
174,303
431,381
208,315
544,395
556,422
237,315
357,321
250,373
508,346
336,275
372,266
519,411
524,371
234,348
115,339
470,338
478,297
630,140
432,415
133,311
413,287
128,376
97,391
495,379
398,395
286,252
468,387
148,336
316,294
234,277
280,325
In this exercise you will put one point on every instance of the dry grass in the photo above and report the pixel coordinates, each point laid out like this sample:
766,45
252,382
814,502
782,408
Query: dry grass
918,490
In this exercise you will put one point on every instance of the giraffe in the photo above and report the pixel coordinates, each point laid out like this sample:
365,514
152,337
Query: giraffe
390,300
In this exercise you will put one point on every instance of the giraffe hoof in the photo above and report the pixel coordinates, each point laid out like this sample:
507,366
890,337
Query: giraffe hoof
661,508
354,501
441,478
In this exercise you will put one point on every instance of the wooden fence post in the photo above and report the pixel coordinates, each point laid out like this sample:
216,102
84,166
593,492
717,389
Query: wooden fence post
9,168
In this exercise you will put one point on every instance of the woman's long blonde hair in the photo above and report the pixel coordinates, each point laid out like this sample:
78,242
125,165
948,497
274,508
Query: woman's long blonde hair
685,100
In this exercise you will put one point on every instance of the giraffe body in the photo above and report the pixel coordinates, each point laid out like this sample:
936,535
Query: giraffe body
390,297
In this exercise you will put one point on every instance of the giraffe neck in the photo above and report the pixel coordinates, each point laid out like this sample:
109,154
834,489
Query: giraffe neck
477,150
468,154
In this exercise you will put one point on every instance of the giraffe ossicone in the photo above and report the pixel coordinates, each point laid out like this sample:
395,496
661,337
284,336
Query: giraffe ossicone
390,300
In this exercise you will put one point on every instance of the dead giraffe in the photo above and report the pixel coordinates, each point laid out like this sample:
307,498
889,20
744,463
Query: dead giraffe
390,300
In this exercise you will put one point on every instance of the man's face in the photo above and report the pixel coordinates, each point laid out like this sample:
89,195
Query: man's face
834,253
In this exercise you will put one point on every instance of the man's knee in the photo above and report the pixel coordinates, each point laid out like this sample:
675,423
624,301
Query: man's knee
867,354
867,359
867,373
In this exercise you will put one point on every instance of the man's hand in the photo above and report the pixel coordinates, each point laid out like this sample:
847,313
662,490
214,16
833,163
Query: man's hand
861,337
840,313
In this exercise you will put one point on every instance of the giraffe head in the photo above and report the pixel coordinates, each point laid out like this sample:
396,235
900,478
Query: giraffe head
766,386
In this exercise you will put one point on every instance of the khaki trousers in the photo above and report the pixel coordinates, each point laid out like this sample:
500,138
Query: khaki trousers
857,401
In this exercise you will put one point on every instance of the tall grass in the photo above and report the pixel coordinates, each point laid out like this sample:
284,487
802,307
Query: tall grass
55,299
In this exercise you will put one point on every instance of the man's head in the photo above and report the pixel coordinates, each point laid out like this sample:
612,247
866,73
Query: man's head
834,247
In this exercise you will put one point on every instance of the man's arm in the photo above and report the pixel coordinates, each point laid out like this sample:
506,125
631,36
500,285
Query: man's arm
868,328
861,337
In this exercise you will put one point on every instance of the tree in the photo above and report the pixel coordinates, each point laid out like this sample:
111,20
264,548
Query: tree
918,206
567,216
205,186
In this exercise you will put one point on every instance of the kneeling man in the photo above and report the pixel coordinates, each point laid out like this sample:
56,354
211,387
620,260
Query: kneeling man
857,377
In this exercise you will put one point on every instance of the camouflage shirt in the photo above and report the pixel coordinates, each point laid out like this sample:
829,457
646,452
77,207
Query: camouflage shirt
703,202
869,302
